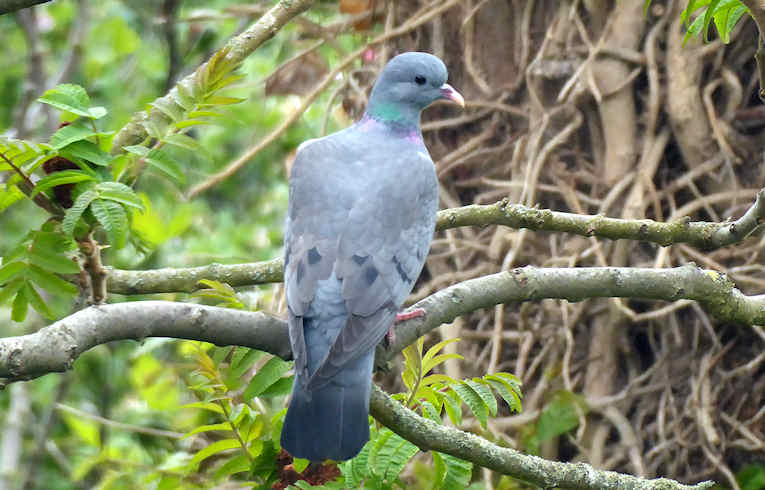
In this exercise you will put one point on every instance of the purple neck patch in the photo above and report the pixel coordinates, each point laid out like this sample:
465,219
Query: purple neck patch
369,123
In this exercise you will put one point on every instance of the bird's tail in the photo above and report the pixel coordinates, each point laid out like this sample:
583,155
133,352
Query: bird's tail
332,421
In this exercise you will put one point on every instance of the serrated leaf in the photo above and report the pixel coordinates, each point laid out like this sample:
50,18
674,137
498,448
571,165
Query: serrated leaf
266,376
112,217
50,282
242,363
213,449
182,141
483,390
453,408
20,306
510,396
458,473
37,302
282,387
430,412
53,262
473,401
439,359
11,270
118,192
437,379
168,108
9,194
164,162
87,151
60,178
74,213
68,97
69,134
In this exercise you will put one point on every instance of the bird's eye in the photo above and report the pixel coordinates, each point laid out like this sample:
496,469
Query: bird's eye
420,80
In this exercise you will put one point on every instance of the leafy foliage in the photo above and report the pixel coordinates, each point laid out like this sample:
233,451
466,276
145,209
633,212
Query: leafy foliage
724,13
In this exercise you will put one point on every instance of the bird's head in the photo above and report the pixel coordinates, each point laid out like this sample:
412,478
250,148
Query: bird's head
409,83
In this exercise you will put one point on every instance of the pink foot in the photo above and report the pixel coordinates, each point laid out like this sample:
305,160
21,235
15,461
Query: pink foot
416,313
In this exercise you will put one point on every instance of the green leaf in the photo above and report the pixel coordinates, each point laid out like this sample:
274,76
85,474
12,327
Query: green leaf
183,141
97,112
238,464
11,270
708,18
485,393
453,408
9,194
37,302
473,401
213,407
69,134
243,362
560,415
168,108
10,289
221,100
113,219
85,150
191,122
50,282
212,450
266,376
223,426
458,473
61,178
53,262
68,97
20,306
282,387
121,193
139,150
74,213
428,359
510,396
300,464
164,162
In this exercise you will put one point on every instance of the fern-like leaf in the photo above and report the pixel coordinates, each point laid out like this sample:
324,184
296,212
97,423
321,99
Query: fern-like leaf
112,217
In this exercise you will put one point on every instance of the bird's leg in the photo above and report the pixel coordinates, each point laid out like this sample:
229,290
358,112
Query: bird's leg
402,317
415,313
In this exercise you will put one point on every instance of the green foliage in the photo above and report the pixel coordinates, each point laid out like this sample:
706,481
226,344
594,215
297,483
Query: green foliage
560,415
724,13
33,265
382,459
751,477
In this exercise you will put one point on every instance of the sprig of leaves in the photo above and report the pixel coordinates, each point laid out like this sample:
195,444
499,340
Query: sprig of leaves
33,265
724,13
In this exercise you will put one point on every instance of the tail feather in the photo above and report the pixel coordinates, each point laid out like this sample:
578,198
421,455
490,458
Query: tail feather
332,421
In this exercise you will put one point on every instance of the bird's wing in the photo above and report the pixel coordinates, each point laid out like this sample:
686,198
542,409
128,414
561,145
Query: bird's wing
369,216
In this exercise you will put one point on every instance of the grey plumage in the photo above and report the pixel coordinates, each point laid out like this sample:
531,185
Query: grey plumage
361,216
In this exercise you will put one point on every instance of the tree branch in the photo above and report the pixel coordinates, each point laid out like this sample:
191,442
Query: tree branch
429,435
239,48
700,234
14,5
55,348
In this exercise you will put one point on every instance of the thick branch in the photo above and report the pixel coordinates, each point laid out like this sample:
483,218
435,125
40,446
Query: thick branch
14,5
54,348
428,435
700,234
238,47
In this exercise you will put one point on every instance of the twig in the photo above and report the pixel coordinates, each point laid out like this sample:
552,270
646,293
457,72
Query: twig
118,425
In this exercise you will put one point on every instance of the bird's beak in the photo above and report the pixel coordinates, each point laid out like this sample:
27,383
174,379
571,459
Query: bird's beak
448,93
